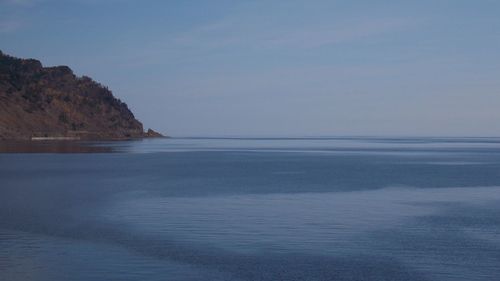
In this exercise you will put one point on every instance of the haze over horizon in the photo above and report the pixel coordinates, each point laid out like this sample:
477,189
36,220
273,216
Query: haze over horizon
294,68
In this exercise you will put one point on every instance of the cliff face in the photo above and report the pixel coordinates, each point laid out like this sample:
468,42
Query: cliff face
51,102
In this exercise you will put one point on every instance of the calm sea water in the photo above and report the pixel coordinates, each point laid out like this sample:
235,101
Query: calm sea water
252,209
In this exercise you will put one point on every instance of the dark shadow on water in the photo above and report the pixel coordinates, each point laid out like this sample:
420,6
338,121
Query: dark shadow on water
238,266
52,147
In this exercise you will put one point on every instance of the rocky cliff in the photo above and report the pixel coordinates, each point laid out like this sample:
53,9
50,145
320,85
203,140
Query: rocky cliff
39,102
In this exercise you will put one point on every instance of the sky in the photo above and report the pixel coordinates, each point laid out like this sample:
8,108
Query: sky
278,68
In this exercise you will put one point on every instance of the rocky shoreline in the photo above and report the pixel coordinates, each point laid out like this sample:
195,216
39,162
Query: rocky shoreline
52,103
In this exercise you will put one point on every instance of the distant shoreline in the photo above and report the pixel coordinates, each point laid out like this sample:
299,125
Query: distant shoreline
52,104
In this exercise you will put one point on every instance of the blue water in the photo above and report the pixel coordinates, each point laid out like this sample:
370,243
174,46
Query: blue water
251,209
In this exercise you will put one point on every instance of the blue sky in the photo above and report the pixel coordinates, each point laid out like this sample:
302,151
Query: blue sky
290,68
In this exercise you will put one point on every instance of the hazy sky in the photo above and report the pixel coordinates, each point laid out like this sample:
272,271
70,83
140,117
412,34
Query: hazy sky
195,68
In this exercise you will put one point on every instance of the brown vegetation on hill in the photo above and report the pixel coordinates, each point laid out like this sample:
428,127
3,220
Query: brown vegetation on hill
51,102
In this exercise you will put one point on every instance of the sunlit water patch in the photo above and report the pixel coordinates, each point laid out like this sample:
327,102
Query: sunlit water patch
322,223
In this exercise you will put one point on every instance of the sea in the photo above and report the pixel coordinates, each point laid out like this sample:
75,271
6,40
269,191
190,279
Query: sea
324,208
